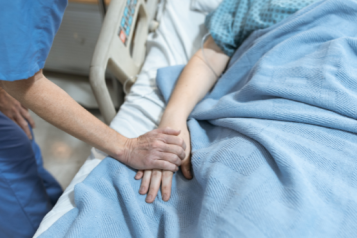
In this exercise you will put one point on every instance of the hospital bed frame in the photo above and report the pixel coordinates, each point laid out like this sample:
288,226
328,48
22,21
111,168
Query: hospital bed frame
121,47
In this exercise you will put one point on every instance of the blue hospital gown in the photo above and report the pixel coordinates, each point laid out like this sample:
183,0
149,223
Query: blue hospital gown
234,20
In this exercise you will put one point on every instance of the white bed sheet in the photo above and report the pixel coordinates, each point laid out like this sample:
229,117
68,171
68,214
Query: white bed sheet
176,40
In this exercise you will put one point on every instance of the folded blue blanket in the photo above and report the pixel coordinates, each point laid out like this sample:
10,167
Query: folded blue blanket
274,145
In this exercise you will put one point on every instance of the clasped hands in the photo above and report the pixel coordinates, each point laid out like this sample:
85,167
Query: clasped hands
153,178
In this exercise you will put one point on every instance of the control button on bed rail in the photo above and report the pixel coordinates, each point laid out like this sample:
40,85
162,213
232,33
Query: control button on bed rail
122,36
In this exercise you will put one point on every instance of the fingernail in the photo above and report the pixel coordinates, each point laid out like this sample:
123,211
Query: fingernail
165,197
141,190
149,198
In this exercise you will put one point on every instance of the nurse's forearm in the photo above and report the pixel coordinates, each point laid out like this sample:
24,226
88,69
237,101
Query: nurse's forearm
55,106
195,81
160,149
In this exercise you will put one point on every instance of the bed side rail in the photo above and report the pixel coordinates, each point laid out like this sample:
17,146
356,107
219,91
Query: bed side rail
120,48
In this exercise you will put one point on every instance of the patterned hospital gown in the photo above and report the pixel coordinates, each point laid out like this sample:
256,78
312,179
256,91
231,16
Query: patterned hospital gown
234,20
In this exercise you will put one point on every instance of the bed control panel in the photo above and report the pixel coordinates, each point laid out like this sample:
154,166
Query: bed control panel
121,47
127,20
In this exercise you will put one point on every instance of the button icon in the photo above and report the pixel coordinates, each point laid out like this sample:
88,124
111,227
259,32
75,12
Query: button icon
122,36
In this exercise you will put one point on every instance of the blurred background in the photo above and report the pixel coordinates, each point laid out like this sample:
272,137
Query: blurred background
68,66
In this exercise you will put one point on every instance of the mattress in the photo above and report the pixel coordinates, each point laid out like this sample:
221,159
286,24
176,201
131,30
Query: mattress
175,41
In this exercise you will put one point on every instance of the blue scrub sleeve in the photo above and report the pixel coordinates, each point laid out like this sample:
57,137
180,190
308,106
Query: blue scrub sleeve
234,20
27,30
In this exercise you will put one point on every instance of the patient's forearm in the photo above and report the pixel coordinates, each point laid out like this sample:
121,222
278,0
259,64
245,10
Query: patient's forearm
55,106
195,81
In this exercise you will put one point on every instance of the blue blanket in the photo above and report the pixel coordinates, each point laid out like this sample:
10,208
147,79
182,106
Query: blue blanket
274,145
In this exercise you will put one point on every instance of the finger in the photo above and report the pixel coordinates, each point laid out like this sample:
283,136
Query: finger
166,185
169,131
175,140
172,158
186,168
174,149
164,165
154,185
28,117
145,182
24,125
139,174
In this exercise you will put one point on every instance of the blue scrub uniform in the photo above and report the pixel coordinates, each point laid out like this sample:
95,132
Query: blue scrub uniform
27,190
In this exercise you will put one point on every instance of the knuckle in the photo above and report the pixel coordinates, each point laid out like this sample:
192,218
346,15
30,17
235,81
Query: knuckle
169,157
164,138
165,187
147,162
155,173
156,144
176,157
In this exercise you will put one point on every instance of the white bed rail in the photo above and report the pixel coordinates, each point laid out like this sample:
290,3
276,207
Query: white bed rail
120,47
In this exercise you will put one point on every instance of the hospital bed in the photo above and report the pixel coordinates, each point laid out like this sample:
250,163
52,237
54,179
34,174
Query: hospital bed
177,37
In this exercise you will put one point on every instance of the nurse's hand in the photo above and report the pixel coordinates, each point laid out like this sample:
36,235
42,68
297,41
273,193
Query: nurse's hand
16,112
157,149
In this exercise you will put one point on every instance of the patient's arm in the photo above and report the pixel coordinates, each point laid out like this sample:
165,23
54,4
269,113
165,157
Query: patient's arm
194,83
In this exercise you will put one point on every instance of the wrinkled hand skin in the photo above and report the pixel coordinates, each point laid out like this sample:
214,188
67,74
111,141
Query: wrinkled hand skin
157,149
152,179
13,109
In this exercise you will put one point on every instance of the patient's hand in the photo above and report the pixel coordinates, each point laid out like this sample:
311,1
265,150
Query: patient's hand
152,179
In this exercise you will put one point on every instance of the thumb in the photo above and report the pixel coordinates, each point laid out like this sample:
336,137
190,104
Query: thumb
169,131
186,169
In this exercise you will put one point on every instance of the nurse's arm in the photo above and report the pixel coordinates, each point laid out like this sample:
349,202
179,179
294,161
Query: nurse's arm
161,148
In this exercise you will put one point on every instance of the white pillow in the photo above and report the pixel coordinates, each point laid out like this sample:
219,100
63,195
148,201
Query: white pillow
205,6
